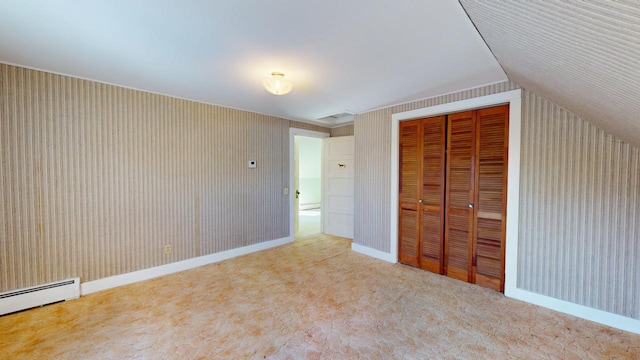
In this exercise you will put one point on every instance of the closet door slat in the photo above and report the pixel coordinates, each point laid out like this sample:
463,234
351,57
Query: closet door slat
460,193
410,170
433,186
491,198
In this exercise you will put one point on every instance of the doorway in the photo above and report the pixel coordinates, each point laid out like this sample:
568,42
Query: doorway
306,182
514,99
452,194
308,185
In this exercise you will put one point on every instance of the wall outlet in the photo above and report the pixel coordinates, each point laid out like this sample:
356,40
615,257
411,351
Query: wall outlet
168,249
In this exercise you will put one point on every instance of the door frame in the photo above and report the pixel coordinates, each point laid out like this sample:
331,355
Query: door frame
292,192
514,99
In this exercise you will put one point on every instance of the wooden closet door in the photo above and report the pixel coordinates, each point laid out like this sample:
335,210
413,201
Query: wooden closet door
433,186
460,185
409,193
491,183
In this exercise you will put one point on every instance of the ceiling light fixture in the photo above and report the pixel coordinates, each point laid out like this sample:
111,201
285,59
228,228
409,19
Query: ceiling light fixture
277,84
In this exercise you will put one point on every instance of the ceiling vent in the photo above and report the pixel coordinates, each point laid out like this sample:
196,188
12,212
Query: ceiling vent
343,118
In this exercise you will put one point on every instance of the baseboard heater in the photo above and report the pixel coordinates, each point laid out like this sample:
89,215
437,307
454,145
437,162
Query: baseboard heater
26,298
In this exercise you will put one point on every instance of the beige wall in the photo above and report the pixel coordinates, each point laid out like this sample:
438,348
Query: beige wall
579,202
579,211
96,179
346,130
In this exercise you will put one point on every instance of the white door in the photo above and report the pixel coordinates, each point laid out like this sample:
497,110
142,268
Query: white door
338,185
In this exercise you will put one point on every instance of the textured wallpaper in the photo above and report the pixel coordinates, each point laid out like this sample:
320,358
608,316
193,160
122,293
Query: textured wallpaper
579,211
96,179
581,54
346,130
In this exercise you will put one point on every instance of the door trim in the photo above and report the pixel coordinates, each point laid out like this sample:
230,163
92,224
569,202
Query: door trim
292,133
514,99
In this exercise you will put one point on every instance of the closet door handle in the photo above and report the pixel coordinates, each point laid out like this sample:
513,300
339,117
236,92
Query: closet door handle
470,205
420,201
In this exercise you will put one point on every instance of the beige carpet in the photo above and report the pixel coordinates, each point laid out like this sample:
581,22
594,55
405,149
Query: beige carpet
313,299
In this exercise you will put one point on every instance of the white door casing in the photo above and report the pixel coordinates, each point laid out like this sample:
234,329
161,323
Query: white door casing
296,186
338,185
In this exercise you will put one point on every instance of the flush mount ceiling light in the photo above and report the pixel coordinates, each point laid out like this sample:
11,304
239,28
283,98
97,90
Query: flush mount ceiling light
277,84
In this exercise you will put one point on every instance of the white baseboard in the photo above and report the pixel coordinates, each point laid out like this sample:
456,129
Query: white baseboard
581,311
150,273
373,253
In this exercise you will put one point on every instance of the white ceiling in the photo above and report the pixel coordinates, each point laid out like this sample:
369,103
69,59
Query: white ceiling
582,55
343,56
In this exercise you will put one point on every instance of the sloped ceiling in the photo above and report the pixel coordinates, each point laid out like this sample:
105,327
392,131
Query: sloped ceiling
342,56
582,55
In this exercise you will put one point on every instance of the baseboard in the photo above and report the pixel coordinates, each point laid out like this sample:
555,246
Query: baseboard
581,311
373,253
150,273
310,206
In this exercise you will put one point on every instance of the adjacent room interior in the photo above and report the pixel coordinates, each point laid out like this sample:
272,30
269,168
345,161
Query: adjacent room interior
308,186
401,179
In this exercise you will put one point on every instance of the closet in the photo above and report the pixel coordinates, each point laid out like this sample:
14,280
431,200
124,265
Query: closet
452,195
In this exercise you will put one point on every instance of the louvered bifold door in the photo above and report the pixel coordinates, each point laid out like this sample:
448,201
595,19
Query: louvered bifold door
460,184
433,185
410,170
491,183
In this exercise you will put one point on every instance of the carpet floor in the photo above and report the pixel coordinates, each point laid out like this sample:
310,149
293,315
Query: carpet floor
312,299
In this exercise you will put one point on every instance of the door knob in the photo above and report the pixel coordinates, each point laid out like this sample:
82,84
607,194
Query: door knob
470,205
297,193
420,201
